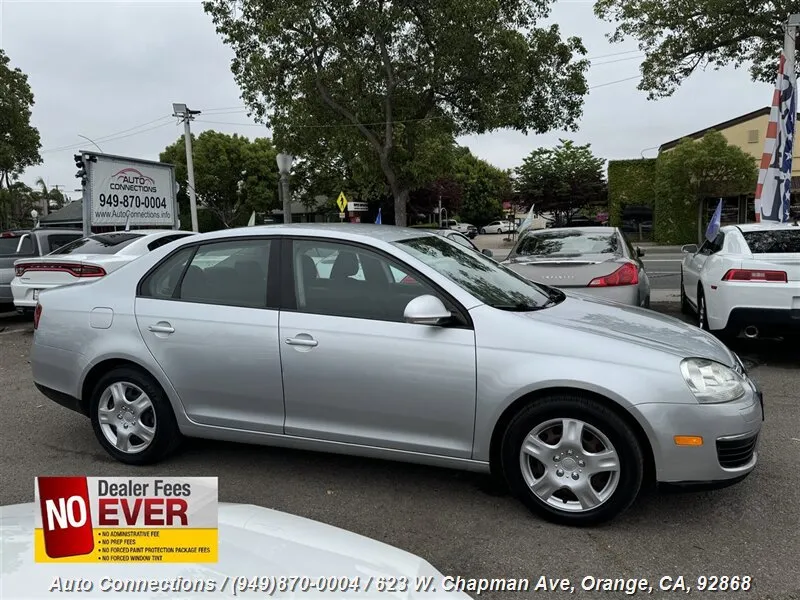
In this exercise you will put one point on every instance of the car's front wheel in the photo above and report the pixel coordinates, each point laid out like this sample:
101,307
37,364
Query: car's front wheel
483,230
572,460
132,417
702,310
686,308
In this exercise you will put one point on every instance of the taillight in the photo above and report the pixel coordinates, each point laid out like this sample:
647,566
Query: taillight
755,276
37,314
75,270
627,274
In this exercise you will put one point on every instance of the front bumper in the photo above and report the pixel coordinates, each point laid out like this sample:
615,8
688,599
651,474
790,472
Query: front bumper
730,433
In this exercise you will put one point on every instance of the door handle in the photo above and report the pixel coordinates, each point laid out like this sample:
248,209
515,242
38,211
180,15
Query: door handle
162,328
310,343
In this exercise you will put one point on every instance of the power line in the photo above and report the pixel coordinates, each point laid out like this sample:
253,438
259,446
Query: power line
108,137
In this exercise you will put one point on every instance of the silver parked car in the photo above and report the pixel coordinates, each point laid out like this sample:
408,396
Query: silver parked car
437,355
599,261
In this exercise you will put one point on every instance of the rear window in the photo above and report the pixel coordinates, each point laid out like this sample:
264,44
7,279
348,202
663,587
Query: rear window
8,245
104,243
567,243
773,242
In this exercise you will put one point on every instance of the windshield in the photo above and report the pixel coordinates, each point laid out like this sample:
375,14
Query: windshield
488,281
773,242
104,243
567,243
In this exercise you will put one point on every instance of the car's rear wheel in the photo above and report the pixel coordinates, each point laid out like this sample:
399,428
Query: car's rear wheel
132,417
572,460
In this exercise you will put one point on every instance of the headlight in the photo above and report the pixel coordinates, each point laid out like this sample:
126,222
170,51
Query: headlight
712,382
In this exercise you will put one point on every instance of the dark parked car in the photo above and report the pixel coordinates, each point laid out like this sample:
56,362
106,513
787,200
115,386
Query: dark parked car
27,243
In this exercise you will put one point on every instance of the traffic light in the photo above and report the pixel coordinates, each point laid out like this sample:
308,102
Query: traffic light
81,174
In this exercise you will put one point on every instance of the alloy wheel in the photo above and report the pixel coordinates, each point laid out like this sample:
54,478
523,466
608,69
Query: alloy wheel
127,417
570,465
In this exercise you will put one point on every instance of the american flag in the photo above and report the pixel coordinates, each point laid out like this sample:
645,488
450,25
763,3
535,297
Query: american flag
773,192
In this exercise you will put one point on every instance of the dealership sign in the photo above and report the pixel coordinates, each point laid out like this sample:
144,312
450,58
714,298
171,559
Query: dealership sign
126,519
128,191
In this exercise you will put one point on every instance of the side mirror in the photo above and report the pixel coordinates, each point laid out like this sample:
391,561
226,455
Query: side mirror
689,248
426,310
487,252
639,252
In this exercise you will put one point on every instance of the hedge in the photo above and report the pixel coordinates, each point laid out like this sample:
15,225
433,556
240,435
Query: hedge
630,182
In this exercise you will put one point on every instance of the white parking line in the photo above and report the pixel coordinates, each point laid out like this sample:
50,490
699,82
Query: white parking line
16,330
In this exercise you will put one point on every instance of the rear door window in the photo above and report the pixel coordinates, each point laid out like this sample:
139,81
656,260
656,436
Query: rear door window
782,241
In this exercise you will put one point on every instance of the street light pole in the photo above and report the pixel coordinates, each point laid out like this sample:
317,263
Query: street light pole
180,110
284,168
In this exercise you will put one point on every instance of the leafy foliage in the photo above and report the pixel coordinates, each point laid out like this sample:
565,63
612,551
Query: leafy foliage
691,172
233,177
630,182
563,179
679,37
387,82
19,140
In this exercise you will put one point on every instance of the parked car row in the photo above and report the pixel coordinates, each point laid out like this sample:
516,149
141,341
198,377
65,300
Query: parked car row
402,344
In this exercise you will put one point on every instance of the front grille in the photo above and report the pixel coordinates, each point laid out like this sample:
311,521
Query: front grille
736,453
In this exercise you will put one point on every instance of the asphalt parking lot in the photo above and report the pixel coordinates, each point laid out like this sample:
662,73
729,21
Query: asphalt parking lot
459,521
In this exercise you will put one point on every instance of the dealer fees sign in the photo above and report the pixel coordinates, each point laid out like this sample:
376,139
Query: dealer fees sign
130,191
126,519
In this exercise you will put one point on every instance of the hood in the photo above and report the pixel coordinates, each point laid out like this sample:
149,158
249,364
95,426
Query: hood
253,541
636,325
566,271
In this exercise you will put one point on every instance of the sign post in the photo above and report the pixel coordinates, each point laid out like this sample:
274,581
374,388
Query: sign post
342,203
122,191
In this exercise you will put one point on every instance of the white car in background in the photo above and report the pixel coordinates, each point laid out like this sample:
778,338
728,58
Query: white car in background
746,281
83,260
255,544
498,227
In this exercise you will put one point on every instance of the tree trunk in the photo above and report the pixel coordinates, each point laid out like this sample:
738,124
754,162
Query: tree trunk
400,204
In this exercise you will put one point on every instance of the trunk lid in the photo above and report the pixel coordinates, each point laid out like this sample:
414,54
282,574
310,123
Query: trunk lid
65,269
567,271
787,262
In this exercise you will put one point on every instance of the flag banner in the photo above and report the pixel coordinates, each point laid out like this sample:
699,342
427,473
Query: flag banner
773,192
528,221
126,519
378,219
714,224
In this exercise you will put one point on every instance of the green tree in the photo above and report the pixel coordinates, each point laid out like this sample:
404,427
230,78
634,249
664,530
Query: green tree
19,140
233,177
562,180
691,172
17,201
679,37
484,188
399,77
50,199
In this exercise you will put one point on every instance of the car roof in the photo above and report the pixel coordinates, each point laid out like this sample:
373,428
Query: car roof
590,229
768,226
350,231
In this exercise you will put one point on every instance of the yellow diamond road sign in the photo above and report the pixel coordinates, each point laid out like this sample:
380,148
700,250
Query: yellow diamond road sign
341,202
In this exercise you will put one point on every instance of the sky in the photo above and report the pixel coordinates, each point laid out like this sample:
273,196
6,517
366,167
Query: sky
110,70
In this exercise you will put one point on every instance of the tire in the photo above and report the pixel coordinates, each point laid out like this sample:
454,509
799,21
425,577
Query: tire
614,491
686,308
157,419
483,231
647,301
702,310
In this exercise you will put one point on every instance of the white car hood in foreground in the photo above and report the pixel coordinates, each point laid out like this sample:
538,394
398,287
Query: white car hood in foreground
253,542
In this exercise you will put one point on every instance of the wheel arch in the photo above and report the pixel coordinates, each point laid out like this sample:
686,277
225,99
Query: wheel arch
517,405
96,372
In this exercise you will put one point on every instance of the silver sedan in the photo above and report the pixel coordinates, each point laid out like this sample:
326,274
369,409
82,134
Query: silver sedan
595,260
434,354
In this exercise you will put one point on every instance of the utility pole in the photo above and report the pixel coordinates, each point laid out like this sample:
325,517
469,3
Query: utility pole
187,115
284,169
440,207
